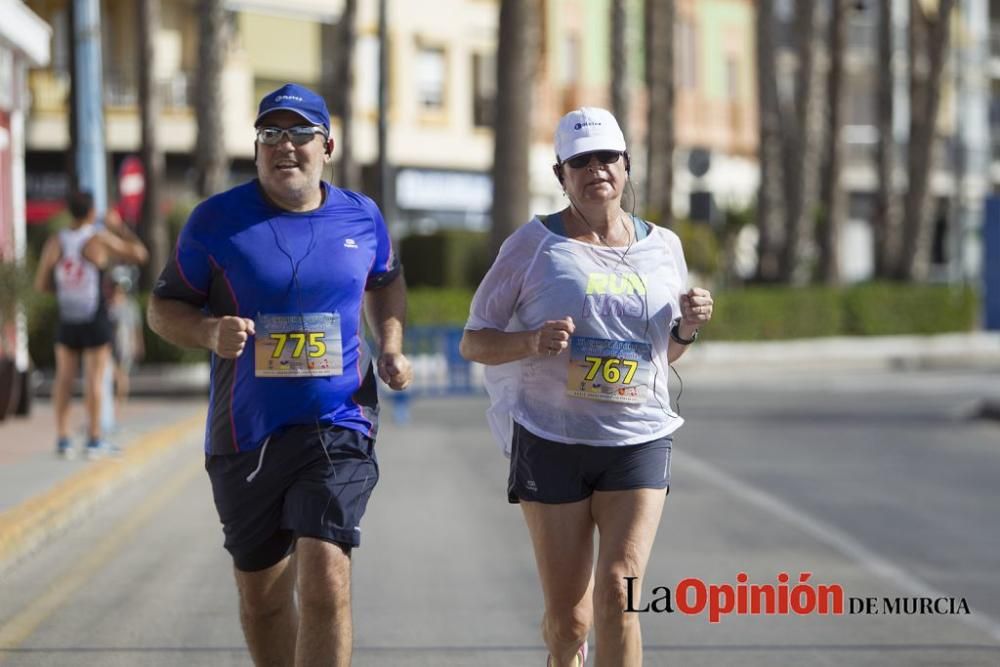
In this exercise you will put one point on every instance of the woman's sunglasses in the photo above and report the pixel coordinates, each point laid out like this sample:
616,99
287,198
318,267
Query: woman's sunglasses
299,135
604,157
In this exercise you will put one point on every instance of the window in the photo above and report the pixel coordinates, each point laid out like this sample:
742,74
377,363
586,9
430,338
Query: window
484,89
686,65
430,78
570,60
732,78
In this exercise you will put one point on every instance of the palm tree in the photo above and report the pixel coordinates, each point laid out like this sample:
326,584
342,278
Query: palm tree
832,195
659,15
516,59
152,225
929,44
619,65
802,131
211,161
770,201
349,176
885,223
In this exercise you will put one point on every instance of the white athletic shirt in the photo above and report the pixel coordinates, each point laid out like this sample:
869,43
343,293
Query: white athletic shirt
78,280
540,276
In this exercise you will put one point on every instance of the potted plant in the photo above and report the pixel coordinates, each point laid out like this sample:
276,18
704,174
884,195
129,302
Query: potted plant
15,289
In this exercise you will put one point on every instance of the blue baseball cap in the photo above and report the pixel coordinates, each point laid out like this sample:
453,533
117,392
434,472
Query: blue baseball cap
297,99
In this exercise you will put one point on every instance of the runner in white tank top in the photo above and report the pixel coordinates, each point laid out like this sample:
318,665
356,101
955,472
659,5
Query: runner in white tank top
77,279
72,262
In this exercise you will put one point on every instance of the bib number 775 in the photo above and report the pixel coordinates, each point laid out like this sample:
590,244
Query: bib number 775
317,348
610,369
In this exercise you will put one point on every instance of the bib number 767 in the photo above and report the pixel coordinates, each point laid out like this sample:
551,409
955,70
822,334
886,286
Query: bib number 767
611,368
317,348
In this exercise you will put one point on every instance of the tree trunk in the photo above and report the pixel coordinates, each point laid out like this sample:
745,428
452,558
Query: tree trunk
619,66
152,225
885,225
833,196
929,41
349,175
72,177
516,58
659,16
802,130
770,201
211,161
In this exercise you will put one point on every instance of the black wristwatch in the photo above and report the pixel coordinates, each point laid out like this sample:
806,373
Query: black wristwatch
676,335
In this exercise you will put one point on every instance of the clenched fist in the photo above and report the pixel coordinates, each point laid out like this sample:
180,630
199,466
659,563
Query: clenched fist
229,336
394,369
696,307
553,337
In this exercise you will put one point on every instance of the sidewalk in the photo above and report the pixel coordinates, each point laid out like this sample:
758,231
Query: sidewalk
41,493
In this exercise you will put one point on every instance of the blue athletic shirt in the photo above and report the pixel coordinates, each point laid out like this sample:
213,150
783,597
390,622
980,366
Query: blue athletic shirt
235,256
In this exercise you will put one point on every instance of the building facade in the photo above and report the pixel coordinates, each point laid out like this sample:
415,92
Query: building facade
24,43
441,90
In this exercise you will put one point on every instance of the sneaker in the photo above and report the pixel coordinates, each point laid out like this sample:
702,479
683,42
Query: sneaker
100,448
64,449
581,656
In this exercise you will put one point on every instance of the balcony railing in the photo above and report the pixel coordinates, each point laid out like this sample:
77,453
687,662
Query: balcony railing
50,90
122,90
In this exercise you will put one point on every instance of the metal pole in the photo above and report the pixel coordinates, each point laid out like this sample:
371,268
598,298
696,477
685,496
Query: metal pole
384,175
91,162
972,59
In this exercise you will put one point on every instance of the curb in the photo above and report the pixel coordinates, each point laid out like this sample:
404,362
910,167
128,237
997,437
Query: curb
962,349
26,526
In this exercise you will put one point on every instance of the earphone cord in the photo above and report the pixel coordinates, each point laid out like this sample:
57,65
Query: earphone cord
281,243
645,296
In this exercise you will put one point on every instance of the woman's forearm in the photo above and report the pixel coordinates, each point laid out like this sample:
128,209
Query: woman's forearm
492,347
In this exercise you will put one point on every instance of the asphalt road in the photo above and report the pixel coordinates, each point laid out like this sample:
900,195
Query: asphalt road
879,482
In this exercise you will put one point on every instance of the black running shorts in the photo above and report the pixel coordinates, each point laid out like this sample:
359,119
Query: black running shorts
84,335
305,481
553,472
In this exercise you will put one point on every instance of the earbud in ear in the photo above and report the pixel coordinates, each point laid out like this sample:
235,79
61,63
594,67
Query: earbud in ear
628,164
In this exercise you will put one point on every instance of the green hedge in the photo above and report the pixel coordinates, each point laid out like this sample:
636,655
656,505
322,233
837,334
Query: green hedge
776,313
871,309
749,314
883,309
426,305
42,321
449,258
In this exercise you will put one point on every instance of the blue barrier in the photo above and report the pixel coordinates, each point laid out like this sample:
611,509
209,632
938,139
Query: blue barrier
991,265
438,368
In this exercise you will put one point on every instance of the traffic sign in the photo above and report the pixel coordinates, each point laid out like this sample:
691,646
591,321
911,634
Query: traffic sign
131,189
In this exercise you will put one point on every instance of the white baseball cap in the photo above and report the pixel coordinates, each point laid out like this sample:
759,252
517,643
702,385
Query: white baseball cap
586,130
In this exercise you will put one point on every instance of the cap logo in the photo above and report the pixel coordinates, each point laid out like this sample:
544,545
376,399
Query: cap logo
279,98
580,126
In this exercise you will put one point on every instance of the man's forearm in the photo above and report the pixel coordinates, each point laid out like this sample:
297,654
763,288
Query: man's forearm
180,323
385,309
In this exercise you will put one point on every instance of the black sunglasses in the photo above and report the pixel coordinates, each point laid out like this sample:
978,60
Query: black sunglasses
299,135
604,157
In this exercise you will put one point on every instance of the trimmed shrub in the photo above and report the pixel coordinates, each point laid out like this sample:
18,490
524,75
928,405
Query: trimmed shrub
882,309
438,306
769,313
448,258
43,318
